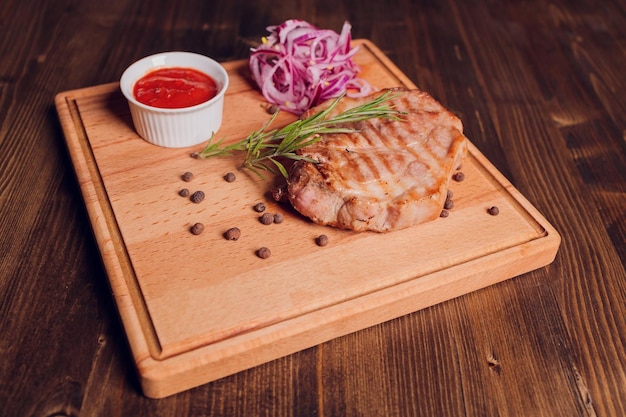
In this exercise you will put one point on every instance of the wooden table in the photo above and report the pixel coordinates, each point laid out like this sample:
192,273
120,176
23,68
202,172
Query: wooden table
540,89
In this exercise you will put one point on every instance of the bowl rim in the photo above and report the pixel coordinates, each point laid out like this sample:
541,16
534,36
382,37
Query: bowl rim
126,79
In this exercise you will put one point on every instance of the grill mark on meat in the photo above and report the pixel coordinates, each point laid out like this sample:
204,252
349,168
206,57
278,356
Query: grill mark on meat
359,166
354,159
417,149
362,168
424,132
370,172
388,175
387,136
373,135
369,169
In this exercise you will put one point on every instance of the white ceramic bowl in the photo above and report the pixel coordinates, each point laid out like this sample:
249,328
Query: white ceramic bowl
180,127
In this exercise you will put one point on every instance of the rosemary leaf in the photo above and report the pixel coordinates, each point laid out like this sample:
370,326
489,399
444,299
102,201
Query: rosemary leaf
264,148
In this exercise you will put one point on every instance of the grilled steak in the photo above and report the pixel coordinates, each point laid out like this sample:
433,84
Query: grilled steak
389,175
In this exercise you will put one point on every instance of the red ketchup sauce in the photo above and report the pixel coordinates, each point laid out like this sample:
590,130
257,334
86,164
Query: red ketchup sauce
174,88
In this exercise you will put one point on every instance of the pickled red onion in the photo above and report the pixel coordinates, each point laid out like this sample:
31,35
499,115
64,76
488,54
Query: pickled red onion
299,66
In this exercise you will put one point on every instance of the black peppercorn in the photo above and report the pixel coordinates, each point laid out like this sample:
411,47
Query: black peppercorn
197,228
321,240
494,211
232,234
184,192
197,197
259,207
266,218
187,176
230,177
263,253
278,218
458,176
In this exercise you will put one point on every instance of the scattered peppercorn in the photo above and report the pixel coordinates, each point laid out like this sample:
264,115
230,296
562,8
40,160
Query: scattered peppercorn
197,228
197,197
263,253
449,194
184,192
259,207
444,213
278,218
266,218
494,211
232,234
321,240
458,176
187,176
271,109
230,177
449,204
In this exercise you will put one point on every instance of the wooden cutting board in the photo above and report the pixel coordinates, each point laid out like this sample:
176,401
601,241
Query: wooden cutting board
199,307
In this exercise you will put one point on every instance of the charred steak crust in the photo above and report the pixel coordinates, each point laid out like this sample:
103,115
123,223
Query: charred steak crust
390,175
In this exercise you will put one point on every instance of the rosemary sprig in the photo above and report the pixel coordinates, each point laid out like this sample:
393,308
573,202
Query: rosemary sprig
264,148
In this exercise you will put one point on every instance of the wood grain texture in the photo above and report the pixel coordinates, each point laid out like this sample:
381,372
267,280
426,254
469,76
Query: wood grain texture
539,87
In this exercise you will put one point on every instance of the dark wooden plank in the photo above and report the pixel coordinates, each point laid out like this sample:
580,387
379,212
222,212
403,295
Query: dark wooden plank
551,128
